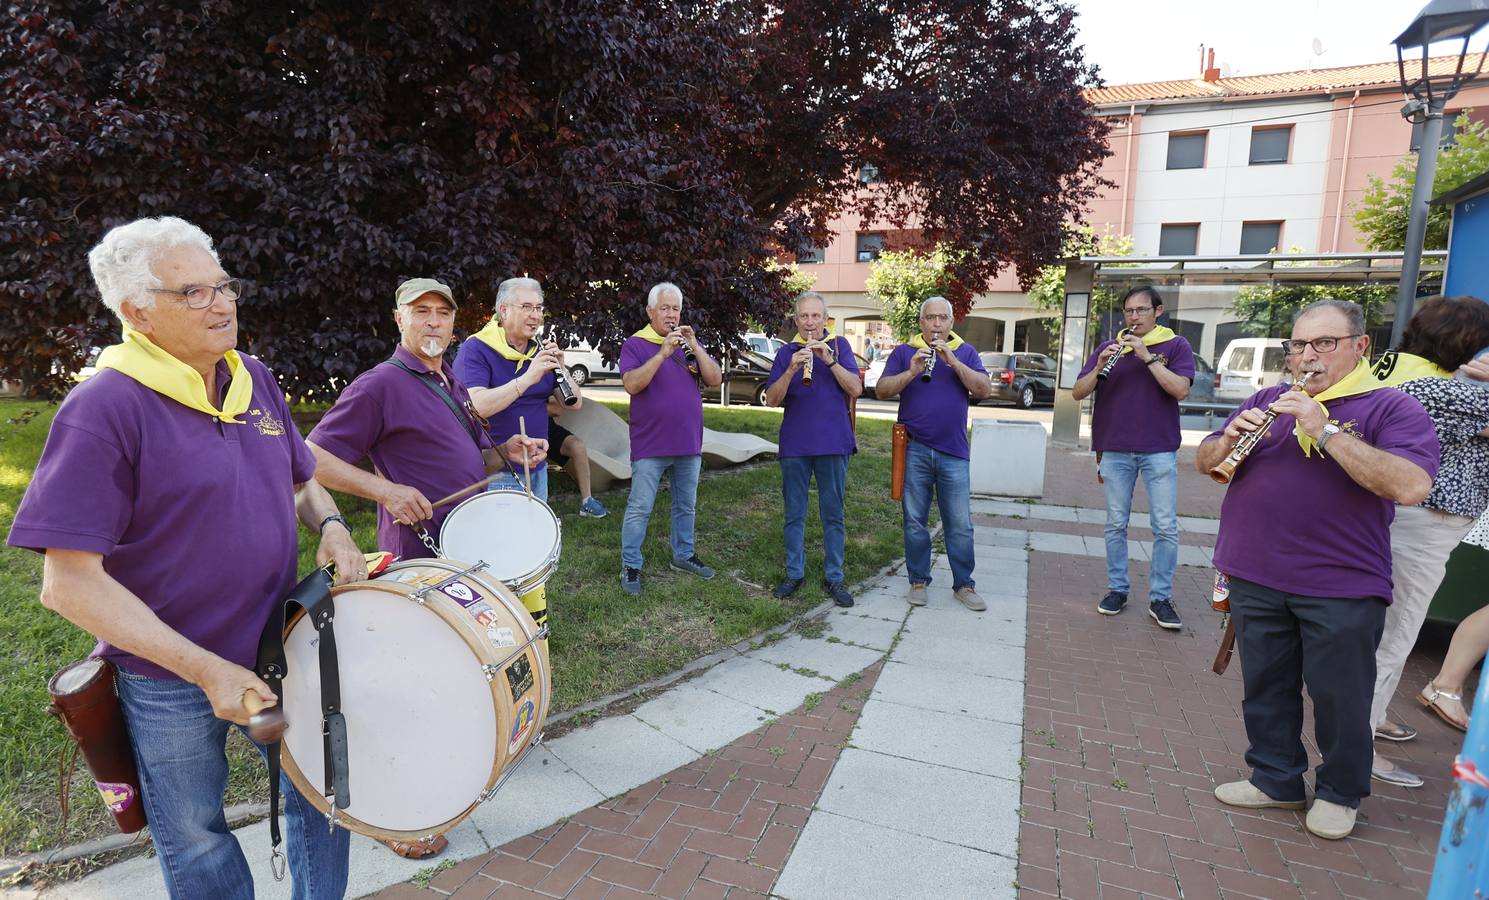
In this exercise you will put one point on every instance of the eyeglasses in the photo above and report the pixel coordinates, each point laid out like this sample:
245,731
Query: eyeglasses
201,296
1141,310
528,309
1320,345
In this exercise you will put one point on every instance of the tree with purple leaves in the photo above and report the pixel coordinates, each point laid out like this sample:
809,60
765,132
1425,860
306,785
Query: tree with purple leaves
338,147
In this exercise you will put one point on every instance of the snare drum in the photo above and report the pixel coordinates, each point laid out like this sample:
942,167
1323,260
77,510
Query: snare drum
444,685
516,535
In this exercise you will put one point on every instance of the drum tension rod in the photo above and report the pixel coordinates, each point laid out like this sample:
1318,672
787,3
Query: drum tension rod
507,773
419,595
491,669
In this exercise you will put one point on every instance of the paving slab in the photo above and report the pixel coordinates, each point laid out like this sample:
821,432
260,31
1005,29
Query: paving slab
616,754
980,696
1195,556
542,790
932,801
865,631
989,551
1000,537
758,683
1002,623
885,600
888,863
701,719
1057,543
958,657
804,655
1199,526
1053,513
954,741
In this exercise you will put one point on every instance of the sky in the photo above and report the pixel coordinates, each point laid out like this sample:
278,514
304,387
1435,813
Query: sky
1158,40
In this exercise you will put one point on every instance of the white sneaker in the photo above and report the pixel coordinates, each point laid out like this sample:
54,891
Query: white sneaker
1330,821
1248,796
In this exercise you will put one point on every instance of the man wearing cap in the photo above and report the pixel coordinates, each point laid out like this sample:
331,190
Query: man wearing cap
816,440
511,377
666,430
1135,431
166,501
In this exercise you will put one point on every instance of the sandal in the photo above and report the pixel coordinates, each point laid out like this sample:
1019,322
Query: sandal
422,849
1429,697
1390,731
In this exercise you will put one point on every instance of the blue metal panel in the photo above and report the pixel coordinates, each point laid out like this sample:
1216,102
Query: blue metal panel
1468,249
1462,869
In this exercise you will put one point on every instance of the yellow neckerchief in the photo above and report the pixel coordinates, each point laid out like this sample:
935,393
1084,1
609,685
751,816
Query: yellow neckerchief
827,335
1396,368
1360,381
1158,335
495,337
650,334
952,342
139,358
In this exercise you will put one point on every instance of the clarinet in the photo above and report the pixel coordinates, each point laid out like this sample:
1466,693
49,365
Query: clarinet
1226,470
806,370
566,391
1112,363
930,366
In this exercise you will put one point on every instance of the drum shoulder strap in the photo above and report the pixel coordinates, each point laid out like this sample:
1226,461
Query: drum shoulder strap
461,415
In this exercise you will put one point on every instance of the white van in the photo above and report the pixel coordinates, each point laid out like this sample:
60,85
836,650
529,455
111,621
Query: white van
585,364
1247,366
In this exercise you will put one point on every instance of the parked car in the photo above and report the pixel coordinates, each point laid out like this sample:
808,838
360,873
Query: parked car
749,376
872,373
1022,379
764,344
1247,366
585,364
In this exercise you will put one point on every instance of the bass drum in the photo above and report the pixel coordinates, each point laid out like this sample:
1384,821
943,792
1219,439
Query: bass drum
444,686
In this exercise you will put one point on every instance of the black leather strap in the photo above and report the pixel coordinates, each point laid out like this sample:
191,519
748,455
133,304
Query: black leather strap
433,384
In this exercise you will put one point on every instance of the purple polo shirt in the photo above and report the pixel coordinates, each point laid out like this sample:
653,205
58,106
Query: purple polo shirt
667,417
477,365
935,412
194,516
816,422
1133,413
412,438
1303,526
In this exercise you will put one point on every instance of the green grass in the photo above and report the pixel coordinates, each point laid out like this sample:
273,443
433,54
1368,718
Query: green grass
603,641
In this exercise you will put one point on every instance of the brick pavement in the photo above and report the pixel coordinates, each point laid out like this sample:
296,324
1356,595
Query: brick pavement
1127,731
721,826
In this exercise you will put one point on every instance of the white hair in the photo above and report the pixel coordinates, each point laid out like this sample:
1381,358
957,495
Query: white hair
810,295
938,299
121,261
665,287
512,285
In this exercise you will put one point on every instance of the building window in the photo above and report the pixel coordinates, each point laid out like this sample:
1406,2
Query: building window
1186,150
1178,240
811,253
1449,131
1260,237
869,247
1269,145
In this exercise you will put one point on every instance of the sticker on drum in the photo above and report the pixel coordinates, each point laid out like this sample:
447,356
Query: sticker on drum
521,727
520,677
501,637
517,536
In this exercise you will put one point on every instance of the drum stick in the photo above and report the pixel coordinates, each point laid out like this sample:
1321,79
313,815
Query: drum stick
463,492
265,723
527,475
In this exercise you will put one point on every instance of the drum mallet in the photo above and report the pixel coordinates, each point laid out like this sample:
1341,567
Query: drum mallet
527,475
266,724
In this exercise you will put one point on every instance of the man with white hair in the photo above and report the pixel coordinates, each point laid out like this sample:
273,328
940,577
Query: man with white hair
940,376
816,378
660,366
513,378
166,502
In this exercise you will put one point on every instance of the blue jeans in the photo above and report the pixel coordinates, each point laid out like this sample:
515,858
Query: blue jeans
179,749
507,481
951,477
646,476
796,479
1160,473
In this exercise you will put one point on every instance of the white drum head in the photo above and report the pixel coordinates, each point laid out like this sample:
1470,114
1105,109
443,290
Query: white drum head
514,534
421,722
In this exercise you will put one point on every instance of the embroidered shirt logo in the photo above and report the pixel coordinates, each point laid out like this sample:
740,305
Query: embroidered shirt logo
267,424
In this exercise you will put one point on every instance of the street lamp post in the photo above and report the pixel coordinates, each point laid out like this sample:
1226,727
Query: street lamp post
1430,91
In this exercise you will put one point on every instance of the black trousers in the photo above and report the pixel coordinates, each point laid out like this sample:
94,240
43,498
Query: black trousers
1327,643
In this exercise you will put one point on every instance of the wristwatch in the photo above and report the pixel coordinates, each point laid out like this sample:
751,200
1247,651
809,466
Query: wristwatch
336,518
1152,359
1330,429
